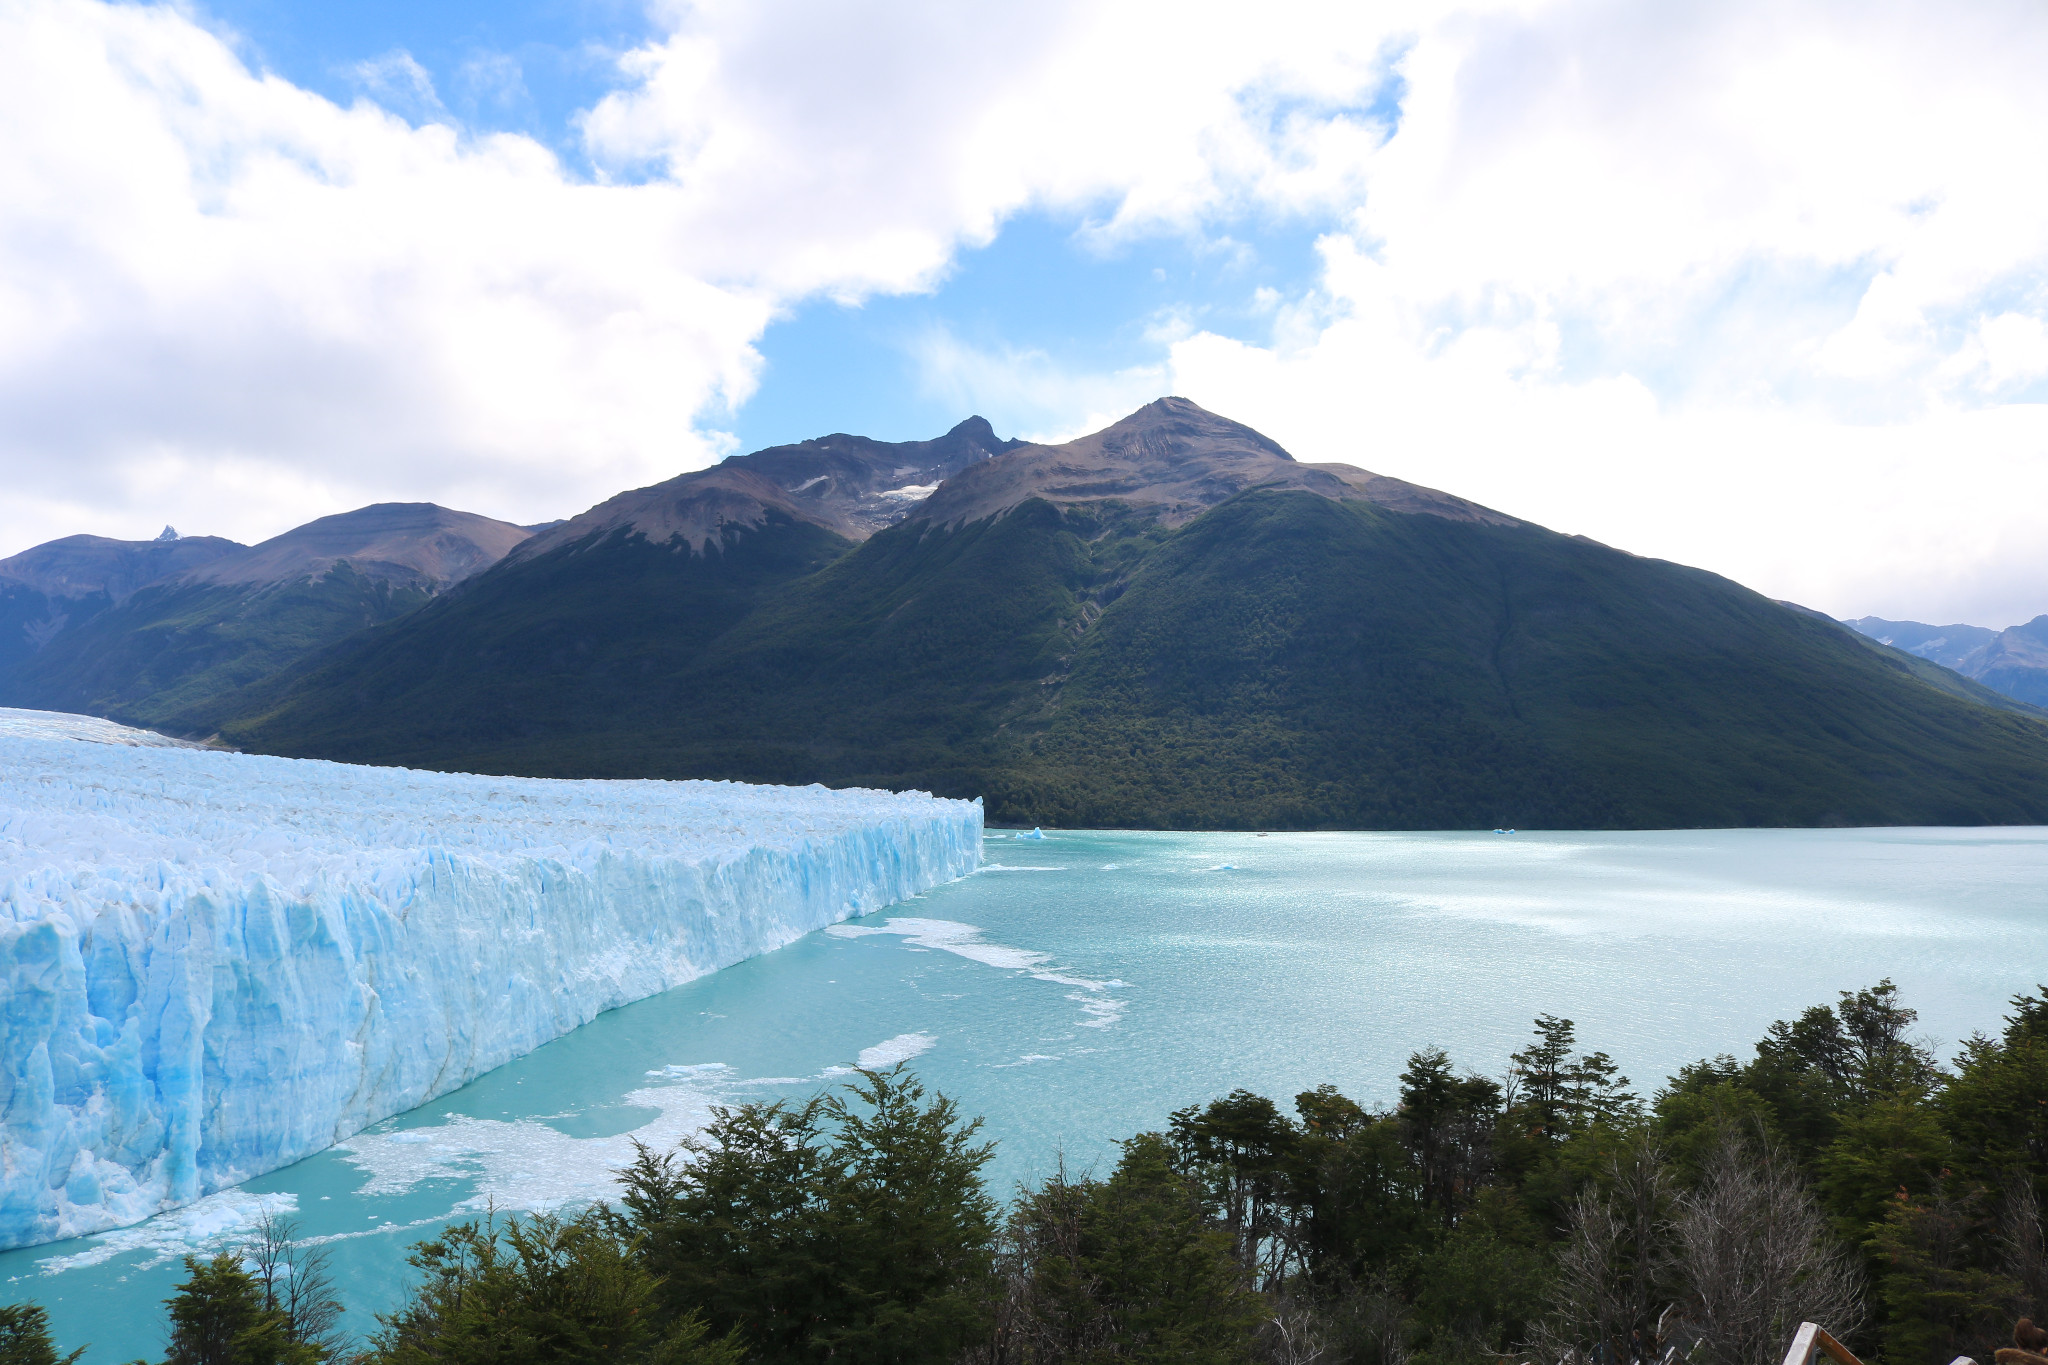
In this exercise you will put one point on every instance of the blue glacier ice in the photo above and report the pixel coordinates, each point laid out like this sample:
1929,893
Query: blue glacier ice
214,964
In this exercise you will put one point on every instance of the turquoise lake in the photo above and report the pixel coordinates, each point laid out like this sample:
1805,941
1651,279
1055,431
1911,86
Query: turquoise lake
1078,989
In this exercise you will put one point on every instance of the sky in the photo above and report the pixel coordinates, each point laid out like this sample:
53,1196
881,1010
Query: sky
1760,287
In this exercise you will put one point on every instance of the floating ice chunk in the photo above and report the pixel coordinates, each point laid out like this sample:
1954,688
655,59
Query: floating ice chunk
1034,834
901,1048
214,964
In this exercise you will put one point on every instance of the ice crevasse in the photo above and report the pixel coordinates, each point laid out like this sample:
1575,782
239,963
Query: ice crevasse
214,964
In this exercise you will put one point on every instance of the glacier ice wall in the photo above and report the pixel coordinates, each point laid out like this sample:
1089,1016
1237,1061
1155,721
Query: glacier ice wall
214,964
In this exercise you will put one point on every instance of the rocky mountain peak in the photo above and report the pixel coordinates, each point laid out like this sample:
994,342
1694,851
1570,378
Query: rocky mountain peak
1176,460
418,543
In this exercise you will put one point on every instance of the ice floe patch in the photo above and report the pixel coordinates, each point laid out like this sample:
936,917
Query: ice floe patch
217,1220
525,1163
965,940
528,1165
901,1048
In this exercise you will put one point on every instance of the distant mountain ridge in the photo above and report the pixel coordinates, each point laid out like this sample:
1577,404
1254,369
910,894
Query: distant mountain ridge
198,619
1167,623
76,567
2012,661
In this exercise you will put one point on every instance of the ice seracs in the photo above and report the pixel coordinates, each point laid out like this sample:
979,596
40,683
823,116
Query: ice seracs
214,964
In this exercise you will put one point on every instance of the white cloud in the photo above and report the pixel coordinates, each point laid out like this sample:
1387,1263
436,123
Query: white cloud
229,303
1756,287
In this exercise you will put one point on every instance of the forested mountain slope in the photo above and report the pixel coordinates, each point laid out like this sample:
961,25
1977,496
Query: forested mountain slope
1170,622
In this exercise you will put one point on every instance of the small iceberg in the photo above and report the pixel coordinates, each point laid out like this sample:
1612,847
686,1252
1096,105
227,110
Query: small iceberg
1034,834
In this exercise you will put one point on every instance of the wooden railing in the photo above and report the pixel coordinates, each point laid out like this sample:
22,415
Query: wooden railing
1812,1339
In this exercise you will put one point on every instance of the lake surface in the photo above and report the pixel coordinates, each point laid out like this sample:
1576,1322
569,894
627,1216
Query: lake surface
1078,989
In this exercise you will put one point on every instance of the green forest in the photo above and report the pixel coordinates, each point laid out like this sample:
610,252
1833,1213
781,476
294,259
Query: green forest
1841,1174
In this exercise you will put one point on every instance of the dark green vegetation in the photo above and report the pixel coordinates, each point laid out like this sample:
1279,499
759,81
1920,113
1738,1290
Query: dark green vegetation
1840,1175
25,1337
180,656
1282,660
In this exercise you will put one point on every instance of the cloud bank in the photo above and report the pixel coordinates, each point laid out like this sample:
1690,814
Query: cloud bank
1757,286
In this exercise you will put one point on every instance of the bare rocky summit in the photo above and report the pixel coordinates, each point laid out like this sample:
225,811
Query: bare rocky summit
85,566
419,544
1177,460
850,485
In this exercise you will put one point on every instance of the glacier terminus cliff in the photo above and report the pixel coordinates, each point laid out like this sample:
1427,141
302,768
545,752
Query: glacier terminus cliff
214,964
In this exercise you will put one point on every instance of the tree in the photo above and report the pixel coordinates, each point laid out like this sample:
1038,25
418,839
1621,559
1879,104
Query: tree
1539,1074
1447,1124
1356,1193
546,1291
295,1282
1616,1264
1943,1291
855,1230
1756,1257
25,1337
1698,1105
219,1317
1992,1107
1879,1059
1240,1151
913,1227
1891,1145
1478,1294
1127,1269
735,1224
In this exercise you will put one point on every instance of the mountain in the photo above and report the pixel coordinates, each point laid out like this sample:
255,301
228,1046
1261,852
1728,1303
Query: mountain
176,649
2016,662
64,583
2013,662
1945,645
1167,623
848,485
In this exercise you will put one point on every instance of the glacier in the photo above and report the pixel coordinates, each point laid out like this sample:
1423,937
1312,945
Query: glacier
214,964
